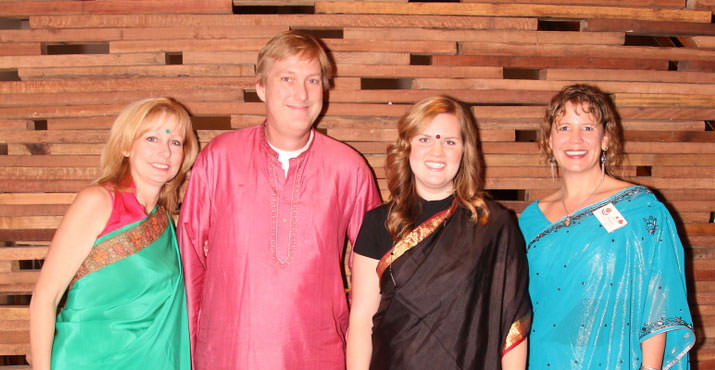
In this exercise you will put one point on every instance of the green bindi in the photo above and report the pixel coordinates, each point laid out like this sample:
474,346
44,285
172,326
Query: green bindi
168,131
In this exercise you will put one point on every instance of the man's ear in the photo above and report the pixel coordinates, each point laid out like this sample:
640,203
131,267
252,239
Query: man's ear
261,90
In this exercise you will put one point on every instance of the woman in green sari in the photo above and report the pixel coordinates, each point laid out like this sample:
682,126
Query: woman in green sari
115,254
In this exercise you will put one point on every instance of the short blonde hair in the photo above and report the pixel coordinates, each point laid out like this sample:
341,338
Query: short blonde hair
129,125
294,43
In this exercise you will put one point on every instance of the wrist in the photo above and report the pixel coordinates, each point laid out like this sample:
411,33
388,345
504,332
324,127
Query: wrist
643,367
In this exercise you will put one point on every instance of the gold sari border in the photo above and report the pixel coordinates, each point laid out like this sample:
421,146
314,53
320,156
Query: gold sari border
413,238
123,244
517,333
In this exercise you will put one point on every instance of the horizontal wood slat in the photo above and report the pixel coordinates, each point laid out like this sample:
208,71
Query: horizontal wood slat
296,20
654,28
25,8
514,10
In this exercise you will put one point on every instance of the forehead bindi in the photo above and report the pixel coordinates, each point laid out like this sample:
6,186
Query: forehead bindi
444,125
165,124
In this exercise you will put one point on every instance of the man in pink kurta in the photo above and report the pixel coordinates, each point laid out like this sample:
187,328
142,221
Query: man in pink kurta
262,230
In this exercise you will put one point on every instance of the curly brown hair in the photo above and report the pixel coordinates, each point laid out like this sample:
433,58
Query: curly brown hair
404,205
594,102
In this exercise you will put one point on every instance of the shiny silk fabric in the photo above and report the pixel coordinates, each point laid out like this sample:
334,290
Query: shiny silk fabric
451,301
597,295
262,252
126,308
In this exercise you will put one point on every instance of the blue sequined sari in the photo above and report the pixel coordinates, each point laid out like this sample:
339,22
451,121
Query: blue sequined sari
596,295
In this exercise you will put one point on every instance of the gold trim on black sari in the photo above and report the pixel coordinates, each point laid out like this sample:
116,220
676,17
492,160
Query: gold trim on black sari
518,331
413,238
458,300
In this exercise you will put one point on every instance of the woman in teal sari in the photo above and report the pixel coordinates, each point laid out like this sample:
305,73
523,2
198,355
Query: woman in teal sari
606,271
115,254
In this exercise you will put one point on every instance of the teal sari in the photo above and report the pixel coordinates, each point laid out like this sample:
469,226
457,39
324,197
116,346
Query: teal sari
597,295
126,307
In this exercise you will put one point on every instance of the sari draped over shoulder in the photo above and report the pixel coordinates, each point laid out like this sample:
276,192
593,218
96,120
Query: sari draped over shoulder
126,306
454,294
598,294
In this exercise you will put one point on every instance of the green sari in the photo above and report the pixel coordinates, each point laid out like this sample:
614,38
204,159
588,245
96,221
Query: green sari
126,307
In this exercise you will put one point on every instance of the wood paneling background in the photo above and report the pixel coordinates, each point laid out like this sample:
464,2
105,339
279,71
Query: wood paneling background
67,68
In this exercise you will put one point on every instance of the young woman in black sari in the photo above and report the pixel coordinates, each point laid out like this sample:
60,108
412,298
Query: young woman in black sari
439,278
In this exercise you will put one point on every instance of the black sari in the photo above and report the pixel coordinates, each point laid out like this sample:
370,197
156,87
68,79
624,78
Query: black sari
454,294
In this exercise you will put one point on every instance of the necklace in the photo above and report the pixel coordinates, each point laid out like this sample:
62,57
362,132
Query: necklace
567,221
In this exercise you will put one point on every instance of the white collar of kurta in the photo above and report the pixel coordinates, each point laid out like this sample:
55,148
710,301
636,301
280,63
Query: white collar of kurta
284,156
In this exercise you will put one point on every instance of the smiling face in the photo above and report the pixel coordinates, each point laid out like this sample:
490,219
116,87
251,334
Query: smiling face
435,157
577,140
157,154
293,93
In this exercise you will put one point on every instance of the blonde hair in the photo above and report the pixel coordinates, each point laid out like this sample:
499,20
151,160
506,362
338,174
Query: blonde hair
594,102
128,127
293,43
404,205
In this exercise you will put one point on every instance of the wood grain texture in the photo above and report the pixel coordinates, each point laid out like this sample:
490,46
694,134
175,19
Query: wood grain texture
514,10
296,20
553,61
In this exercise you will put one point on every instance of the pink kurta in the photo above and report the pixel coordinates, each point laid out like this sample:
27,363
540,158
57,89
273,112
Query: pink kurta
262,252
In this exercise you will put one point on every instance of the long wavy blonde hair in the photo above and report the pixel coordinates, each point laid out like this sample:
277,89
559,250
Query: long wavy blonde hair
130,125
404,204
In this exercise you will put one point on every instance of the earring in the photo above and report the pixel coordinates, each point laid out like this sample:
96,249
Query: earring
603,161
552,165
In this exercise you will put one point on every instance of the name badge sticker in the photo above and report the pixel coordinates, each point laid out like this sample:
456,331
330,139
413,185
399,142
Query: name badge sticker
610,218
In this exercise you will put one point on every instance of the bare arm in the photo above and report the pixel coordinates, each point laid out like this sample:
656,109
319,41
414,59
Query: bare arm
653,349
516,294
73,240
515,359
365,301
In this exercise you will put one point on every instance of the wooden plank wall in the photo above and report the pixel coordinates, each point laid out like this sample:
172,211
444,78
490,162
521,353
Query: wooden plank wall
67,67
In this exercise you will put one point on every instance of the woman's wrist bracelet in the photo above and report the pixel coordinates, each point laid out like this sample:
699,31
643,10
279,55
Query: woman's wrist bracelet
643,367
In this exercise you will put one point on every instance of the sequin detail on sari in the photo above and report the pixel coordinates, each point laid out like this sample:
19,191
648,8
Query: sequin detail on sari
651,224
587,212
664,324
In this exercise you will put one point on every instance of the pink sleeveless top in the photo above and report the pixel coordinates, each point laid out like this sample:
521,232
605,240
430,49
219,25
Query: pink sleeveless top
125,210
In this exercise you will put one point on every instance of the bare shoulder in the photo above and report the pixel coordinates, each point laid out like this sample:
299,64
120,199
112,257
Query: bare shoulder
96,197
74,238
91,207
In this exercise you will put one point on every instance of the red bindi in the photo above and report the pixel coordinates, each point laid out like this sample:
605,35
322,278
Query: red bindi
437,136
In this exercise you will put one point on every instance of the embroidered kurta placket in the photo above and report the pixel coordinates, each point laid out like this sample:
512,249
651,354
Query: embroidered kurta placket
285,190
